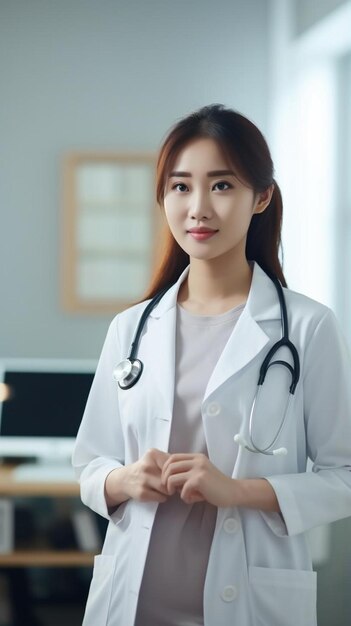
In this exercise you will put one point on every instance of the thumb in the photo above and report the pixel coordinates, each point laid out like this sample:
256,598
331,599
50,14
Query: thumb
160,458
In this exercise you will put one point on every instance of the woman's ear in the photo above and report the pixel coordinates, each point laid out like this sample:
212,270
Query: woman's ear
263,199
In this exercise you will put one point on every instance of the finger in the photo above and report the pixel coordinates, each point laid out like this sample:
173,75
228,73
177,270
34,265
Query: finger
175,468
189,494
150,478
176,481
192,498
167,463
160,497
160,458
156,457
178,456
156,484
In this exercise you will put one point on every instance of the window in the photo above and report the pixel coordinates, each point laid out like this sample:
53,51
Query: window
110,232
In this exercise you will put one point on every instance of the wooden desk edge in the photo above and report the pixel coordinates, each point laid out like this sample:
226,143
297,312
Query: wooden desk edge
11,487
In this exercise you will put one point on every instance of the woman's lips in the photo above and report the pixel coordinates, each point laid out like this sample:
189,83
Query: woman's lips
202,236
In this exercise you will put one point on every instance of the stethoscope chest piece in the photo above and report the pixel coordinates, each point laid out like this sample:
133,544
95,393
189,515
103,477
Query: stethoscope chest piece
127,373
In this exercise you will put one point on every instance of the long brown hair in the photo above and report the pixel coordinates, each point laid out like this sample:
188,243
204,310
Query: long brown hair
246,149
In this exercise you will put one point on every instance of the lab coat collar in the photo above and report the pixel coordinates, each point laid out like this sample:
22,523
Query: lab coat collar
262,302
247,339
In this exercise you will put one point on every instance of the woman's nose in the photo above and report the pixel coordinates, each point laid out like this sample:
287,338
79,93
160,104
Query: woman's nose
200,206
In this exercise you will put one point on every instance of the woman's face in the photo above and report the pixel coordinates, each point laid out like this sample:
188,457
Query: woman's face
207,208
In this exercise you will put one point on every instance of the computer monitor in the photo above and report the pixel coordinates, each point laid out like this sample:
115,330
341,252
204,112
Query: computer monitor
41,405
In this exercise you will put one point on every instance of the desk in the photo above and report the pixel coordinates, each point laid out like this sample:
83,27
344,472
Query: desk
40,555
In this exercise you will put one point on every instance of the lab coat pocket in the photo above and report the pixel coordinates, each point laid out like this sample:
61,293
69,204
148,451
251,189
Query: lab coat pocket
97,607
284,597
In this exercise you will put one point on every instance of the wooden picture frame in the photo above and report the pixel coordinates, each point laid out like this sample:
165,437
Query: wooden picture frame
111,230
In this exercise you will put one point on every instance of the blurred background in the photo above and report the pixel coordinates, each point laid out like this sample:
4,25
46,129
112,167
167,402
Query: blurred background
107,76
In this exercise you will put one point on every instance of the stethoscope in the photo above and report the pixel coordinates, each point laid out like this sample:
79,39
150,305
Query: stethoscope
128,371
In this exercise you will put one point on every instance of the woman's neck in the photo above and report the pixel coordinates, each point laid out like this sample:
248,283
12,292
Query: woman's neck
213,287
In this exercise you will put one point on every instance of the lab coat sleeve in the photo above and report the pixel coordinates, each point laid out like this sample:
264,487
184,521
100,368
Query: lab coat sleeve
323,495
99,446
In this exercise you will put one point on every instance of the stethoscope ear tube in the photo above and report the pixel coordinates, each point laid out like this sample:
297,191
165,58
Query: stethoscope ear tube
239,439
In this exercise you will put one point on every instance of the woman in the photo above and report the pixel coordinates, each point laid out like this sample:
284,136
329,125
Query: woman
207,515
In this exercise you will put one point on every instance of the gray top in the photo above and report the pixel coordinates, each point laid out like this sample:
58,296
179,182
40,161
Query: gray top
171,592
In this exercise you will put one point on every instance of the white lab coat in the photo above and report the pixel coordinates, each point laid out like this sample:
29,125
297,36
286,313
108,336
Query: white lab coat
259,571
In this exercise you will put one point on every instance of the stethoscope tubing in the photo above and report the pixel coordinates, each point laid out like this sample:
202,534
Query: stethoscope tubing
140,328
268,448
128,371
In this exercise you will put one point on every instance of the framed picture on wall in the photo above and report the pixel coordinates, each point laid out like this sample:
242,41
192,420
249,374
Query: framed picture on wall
111,230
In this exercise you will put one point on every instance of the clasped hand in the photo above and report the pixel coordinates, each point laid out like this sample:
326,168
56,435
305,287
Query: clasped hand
158,475
197,479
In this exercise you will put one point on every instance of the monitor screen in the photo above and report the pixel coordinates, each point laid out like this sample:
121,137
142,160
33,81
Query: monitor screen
42,405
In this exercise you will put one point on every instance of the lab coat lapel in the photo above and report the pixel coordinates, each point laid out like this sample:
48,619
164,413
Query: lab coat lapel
246,341
248,338
162,360
161,345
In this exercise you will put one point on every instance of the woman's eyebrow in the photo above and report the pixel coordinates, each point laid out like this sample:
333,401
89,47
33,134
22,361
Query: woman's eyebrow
180,174
209,174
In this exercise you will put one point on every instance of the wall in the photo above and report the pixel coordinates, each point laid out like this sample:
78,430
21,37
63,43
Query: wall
89,74
321,55
307,13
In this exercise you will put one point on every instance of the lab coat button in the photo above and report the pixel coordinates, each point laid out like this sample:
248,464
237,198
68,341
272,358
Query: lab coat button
213,408
229,593
231,525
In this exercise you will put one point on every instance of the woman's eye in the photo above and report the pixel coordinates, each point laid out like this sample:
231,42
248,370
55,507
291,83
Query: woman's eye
223,186
177,185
